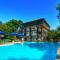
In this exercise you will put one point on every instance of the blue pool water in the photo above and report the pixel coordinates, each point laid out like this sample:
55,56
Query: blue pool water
29,51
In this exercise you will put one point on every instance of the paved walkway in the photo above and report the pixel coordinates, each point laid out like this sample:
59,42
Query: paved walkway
58,54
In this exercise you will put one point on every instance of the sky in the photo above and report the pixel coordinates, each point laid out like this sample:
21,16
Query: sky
28,10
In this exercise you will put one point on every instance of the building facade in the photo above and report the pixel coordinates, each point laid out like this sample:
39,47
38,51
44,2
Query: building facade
35,30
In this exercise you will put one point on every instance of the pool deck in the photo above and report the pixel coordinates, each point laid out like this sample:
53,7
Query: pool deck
58,54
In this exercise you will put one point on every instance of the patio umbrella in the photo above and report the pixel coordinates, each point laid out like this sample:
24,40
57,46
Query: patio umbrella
1,33
13,34
21,34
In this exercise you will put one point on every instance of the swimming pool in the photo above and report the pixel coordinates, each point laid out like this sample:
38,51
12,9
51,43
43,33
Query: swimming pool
29,51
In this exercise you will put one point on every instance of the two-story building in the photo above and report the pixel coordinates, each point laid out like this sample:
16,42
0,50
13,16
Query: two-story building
35,30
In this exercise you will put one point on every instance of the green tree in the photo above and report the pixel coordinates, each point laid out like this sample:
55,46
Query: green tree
5,28
52,35
1,23
58,28
10,26
14,24
58,9
58,32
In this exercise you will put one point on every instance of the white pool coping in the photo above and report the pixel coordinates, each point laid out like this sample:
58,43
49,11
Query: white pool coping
7,44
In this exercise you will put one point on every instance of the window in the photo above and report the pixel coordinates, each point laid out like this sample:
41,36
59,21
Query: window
27,33
39,29
33,28
33,32
27,29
